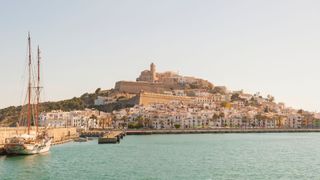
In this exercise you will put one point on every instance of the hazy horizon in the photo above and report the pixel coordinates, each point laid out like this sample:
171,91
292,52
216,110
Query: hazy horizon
270,47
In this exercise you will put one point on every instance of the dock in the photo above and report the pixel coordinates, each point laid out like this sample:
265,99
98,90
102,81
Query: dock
85,134
62,142
112,137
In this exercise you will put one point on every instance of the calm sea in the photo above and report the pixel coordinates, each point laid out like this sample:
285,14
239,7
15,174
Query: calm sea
203,156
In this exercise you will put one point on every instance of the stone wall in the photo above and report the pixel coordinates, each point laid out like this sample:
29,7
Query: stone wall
151,98
58,134
137,87
61,134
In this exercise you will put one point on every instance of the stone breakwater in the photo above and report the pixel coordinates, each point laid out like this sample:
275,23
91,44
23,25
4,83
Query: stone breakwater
58,134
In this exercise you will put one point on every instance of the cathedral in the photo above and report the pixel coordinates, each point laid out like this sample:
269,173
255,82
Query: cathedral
152,81
149,75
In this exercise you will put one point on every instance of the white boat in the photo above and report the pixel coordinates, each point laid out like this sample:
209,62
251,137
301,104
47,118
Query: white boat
38,141
28,144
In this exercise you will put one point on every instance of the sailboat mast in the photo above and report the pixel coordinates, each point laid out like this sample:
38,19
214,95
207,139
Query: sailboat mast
38,90
29,84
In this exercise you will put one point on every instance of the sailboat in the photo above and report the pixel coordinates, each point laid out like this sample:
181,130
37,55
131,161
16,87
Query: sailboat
32,142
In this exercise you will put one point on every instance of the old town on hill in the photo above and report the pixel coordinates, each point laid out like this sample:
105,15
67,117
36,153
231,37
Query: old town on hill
168,101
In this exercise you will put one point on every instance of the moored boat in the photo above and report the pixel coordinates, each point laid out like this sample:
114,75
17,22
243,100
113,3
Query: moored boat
81,139
37,141
28,144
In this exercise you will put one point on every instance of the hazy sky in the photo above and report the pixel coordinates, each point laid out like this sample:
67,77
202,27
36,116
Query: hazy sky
270,46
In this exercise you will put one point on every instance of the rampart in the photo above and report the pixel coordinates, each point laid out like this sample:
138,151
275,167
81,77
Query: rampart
146,98
137,87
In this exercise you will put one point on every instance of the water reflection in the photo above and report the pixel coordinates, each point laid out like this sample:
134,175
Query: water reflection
26,160
28,166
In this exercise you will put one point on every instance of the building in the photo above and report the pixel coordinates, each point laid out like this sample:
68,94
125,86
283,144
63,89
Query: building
152,81
88,118
148,75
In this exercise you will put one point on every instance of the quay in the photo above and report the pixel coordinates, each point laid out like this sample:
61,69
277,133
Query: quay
93,133
59,135
65,140
219,131
97,133
111,137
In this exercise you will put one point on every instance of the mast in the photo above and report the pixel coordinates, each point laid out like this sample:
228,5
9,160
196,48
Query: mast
38,90
29,84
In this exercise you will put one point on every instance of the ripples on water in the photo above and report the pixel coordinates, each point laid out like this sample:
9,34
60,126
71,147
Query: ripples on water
203,156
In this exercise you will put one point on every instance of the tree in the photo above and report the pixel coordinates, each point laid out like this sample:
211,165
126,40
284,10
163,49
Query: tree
215,117
140,120
97,91
235,97
124,119
270,98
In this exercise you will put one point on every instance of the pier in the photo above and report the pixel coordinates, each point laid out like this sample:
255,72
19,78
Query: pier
95,133
111,137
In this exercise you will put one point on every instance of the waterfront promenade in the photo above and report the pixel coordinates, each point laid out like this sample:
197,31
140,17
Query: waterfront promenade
100,133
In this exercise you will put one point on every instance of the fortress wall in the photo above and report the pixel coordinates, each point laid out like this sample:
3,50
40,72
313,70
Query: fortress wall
137,87
151,98
58,134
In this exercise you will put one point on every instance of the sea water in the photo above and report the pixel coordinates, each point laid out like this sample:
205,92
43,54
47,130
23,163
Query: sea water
194,156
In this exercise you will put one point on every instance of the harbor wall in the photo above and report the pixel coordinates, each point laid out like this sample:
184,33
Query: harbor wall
58,134
218,131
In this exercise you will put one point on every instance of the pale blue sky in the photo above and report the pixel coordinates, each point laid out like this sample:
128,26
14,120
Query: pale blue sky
271,46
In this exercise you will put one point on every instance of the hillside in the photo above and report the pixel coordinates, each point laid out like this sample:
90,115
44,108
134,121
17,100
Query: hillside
10,116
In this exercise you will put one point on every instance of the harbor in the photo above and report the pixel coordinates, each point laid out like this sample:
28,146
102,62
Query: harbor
66,135
250,156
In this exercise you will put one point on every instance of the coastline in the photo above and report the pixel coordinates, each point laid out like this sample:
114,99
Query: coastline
217,131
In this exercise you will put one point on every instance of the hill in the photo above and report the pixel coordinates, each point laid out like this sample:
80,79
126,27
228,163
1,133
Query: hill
10,116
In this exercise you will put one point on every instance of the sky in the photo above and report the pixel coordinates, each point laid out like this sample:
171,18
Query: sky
272,47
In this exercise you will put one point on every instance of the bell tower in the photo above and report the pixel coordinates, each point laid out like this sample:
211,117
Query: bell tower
153,72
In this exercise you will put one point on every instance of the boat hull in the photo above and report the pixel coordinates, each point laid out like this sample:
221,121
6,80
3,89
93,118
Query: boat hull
27,149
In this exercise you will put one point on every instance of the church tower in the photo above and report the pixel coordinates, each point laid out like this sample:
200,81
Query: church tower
153,72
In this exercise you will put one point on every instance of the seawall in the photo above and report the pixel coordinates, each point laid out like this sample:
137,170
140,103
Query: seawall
222,130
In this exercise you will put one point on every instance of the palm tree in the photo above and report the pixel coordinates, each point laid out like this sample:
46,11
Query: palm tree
125,120
147,122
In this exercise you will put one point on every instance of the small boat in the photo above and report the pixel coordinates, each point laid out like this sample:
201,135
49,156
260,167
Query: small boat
37,141
80,139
